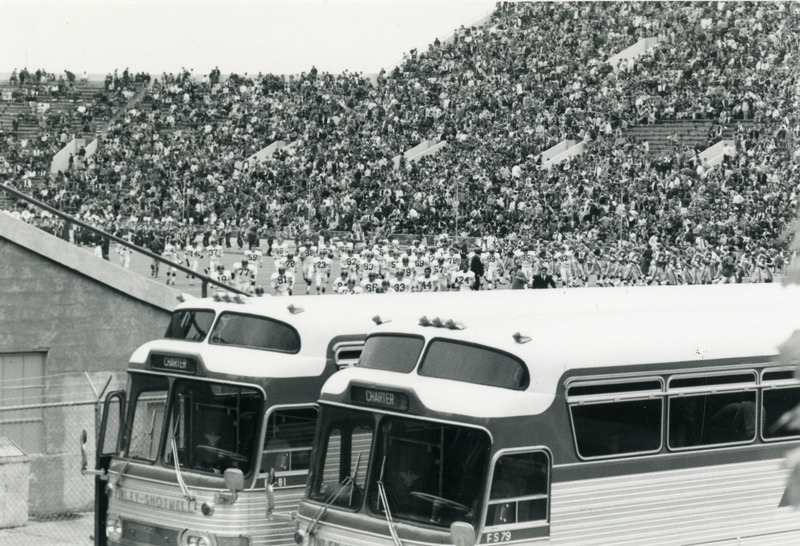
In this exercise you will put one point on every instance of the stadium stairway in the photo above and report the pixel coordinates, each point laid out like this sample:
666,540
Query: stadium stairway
695,134
688,133
29,125
9,111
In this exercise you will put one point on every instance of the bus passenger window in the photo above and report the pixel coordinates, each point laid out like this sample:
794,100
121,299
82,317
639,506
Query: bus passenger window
190,324
255,332
519,489
290,433
712,419
776,405
395,353
616,428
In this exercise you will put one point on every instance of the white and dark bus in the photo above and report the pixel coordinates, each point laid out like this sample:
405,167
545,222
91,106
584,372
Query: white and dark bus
654,417
223,409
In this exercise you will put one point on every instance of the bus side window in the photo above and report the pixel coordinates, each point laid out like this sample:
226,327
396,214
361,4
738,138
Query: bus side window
776,407
712,419
290,433
619,427
520,486
277,456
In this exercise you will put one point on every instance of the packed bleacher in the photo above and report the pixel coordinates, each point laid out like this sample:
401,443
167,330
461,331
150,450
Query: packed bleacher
41,112
178,159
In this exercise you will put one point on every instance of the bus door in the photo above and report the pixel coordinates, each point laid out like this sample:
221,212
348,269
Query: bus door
107,447
285,458
519,504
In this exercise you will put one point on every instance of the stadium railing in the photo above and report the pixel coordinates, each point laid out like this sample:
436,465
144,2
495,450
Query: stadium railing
204,279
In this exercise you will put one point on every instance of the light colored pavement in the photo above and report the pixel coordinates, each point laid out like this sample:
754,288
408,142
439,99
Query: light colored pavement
74,531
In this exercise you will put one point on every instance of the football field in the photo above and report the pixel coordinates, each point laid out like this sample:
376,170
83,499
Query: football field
231,259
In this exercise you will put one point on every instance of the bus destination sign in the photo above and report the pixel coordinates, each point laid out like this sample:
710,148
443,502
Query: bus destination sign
380,398
181,364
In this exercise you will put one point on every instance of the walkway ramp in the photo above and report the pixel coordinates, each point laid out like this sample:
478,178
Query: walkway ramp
73,260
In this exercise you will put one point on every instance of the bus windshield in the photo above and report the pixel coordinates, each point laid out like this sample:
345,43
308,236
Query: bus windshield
215,426
148,399
431,473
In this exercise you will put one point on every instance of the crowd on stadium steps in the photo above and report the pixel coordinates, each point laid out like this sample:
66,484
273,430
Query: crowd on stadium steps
28,159
499,94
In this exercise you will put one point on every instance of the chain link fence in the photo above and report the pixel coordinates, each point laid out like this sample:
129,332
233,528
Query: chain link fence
44,416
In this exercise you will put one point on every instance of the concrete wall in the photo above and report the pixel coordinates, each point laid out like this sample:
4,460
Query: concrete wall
570,152
87,315
266,152
632,53
91,148
60,161
426,147
559,148
715,155
14,472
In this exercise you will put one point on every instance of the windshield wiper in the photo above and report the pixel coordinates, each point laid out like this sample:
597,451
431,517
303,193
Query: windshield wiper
348,481
324,508
385,502
174,441
353,483
112,485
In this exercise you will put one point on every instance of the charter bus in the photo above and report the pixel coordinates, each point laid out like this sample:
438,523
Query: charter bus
653,418
213,432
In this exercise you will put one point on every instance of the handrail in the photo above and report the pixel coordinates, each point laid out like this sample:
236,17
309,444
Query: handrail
203,278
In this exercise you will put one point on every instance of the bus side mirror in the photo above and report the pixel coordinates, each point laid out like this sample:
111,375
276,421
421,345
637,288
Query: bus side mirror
462,534
234,481
84,457
269,486
85,460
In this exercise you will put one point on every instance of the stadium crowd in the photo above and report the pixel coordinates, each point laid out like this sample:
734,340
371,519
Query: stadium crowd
27,160
178,165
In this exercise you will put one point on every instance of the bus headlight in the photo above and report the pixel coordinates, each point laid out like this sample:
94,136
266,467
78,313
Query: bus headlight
300,537
207,509
113,528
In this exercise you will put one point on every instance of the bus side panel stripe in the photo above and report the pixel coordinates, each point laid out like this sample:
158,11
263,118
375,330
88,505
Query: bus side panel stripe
687,506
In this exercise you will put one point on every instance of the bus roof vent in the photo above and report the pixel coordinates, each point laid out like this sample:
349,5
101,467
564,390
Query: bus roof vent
236,298
453,325
347,354
439,323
